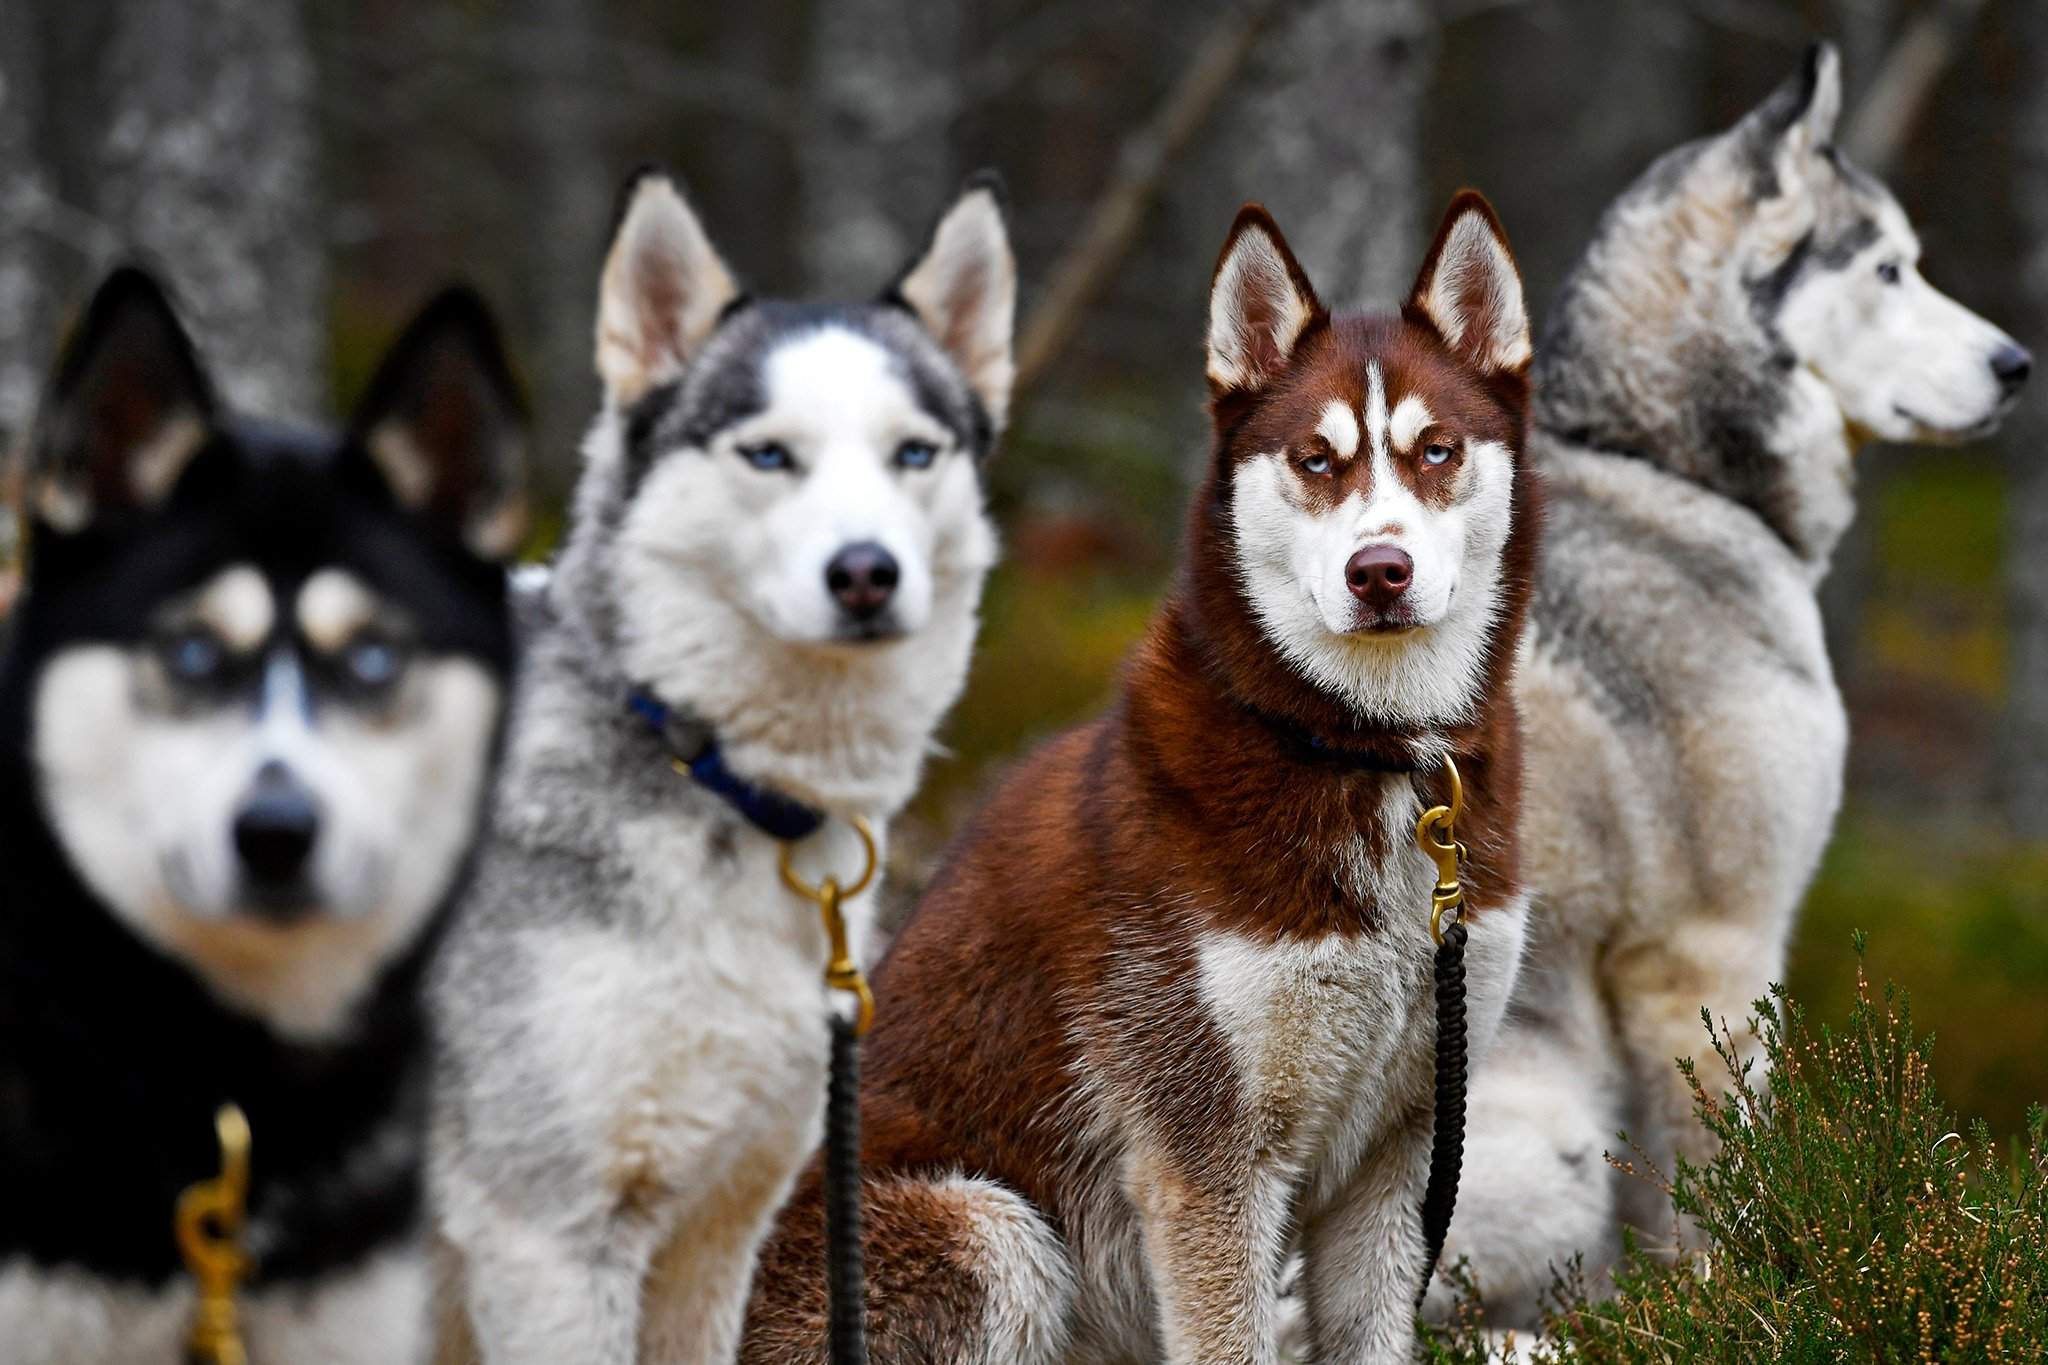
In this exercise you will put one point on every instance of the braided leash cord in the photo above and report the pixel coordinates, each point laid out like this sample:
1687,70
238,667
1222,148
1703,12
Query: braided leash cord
845,1280
1447,1149
843,1268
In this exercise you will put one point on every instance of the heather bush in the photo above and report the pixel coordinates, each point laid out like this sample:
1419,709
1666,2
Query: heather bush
1845,1217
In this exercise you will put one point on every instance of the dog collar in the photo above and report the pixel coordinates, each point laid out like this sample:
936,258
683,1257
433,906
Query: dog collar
695,751
1311,747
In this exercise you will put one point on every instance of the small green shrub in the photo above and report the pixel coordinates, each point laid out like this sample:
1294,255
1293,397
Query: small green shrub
1844,1218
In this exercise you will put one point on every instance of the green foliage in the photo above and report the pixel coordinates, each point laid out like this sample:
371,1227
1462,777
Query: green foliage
1050,648
1843,1217
1962,914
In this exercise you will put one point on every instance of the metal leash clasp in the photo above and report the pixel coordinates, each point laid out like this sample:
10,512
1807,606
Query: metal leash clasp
209,1227
842,973
1437,833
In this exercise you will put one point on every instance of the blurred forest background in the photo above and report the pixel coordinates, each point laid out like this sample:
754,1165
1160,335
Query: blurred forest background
304,171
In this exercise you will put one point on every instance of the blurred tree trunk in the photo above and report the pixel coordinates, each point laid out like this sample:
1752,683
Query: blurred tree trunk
1863,30
1325,127
24,197
205,168
1546,142
2027,543
24,302
561,234
876,161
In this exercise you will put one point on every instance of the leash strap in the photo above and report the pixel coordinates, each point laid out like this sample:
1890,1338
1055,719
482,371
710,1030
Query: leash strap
1447,1147
845,1275
1437,833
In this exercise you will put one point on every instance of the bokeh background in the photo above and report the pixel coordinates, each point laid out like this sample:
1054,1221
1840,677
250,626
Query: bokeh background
304,171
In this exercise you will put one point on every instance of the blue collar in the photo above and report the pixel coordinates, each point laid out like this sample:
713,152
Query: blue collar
694,747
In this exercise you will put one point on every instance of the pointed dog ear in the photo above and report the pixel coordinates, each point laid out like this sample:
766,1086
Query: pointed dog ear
662,291
1797,119
127,409
1260,303
1470,292
443,425
964,290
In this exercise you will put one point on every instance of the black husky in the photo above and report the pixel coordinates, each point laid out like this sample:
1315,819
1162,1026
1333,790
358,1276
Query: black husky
248,713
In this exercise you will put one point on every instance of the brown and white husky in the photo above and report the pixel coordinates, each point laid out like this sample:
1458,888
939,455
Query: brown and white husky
1164,1018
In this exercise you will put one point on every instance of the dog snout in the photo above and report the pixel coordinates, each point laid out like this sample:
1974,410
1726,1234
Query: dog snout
1379,574
275,829
862,578
2011,363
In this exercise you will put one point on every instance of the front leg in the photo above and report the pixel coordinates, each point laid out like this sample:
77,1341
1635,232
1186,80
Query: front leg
537,1295
1213,1230
697,1286
1363,1256
1656,987
546,1244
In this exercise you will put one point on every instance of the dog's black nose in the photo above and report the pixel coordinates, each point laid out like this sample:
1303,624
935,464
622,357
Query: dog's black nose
1379,574
2012,365
863,578
276,827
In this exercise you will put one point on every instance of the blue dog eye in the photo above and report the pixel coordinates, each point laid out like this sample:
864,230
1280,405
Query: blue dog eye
1436,454
373,662
916,455
770,456
1317,464
194,656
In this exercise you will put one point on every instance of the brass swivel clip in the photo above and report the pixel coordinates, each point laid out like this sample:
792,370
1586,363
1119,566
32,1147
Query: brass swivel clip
209,1227
842,973
1437,833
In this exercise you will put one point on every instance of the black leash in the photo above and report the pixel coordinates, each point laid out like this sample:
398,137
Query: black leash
1447,1147
845,1287
1437,833
844,1273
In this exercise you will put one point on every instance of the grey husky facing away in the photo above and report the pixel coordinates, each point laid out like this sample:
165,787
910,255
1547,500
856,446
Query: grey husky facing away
779,534
1748,314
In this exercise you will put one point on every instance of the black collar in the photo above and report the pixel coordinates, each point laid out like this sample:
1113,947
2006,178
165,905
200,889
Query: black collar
1307,746
695,750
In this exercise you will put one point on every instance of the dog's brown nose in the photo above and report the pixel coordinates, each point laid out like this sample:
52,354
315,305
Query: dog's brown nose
863,579
1379,574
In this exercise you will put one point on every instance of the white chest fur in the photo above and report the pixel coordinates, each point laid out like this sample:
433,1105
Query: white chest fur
373,1314
1332,1038
701,1036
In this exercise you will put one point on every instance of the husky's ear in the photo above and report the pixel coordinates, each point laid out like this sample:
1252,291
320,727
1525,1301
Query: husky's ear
127,408
964,290
1260,303
1470,291
443,425
662,291
1782,134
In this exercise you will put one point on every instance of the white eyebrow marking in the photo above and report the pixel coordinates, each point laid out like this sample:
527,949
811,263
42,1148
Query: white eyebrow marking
1376,408
236,602
333,605
1411,416
1340,428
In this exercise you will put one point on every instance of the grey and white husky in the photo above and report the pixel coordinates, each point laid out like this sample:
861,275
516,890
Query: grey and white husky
772,579
1749,313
